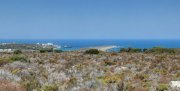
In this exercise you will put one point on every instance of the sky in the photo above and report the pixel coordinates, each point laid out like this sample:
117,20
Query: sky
89,19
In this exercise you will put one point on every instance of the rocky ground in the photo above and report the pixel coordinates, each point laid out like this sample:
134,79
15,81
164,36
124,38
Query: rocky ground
77,71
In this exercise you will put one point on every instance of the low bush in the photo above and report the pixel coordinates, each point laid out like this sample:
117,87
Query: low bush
92,51
42,51
45,50
109,62
115,78
132,50
18,58
151,50
3,61
58,51
141,76
114,54
48,87
17,52
160,50
162,87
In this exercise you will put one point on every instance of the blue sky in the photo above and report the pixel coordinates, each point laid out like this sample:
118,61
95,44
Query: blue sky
90,19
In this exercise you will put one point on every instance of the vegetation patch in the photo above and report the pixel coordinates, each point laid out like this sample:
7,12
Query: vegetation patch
109,62
150,50
131,50
48,87
17,52
141,76
18,58
111,78
46,50
92,51
58,51
162,87
4,61
160,50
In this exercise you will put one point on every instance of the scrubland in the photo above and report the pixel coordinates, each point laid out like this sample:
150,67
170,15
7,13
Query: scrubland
79,71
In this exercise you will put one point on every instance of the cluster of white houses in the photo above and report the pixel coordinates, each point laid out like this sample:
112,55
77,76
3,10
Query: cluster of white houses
47,45
6,50
11,47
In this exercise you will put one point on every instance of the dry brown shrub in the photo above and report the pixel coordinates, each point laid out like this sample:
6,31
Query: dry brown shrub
164,79
109,62
114,54
9,86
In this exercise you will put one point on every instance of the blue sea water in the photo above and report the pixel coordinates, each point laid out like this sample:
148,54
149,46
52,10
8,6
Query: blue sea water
84,43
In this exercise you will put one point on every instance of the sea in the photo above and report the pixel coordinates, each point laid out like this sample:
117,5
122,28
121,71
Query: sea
76,44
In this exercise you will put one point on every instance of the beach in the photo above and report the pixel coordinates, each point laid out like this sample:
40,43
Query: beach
103,48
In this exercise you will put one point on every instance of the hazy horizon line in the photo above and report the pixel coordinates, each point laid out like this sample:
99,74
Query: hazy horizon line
85,39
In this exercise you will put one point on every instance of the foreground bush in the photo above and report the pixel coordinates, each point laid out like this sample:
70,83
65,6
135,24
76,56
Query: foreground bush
18,58
92,51
3,61
162,87
48,87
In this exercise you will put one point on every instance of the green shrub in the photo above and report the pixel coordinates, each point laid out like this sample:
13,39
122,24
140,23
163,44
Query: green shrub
42,51
49,87
124,50
135,50
162,87
17,52
92,51
151,50
49,50
144,50
18,58
58,51
131,50
160,50
45,50
114,78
